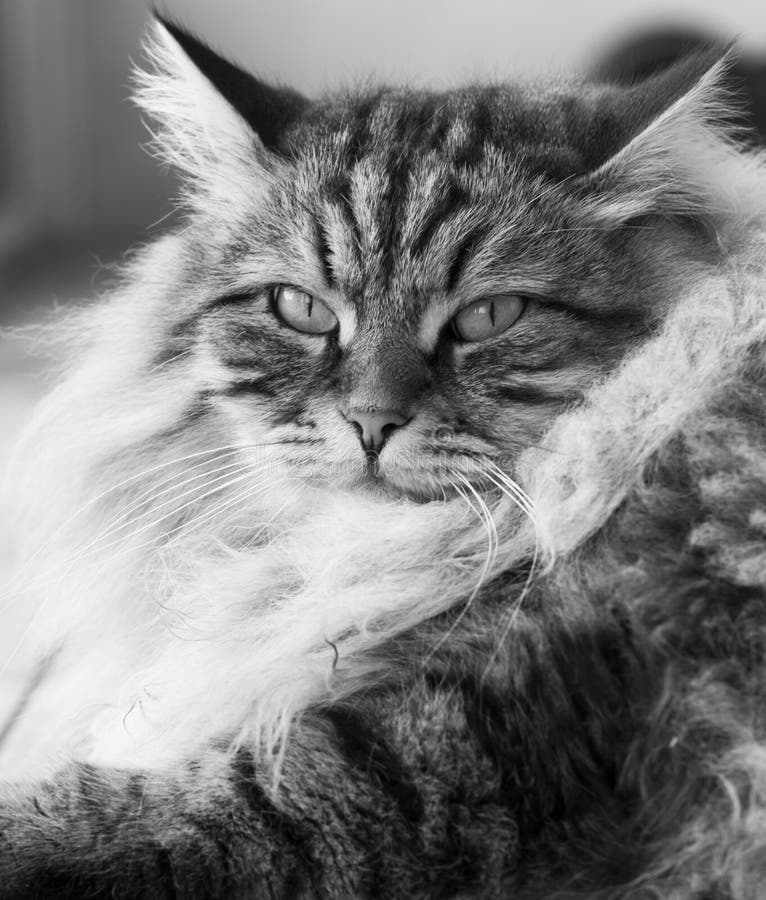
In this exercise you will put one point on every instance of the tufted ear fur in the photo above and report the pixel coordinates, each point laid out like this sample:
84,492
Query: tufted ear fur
212,121
672,142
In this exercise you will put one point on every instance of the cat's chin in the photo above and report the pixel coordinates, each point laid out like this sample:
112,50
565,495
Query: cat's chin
385,482
396,485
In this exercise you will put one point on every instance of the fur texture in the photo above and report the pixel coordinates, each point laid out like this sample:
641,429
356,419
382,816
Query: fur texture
528,658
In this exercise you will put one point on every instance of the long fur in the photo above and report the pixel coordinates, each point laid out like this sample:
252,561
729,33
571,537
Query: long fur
155,613
215,594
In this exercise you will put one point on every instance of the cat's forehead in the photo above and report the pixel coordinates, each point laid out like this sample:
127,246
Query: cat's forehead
392,191
542,125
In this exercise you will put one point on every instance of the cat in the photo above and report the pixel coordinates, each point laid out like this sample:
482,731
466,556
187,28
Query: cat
399,527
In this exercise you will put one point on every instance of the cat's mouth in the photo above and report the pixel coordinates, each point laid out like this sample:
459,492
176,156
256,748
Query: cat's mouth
420,477
371,476
383,479
374,478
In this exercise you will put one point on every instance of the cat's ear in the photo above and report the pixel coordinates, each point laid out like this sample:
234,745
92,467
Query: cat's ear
672,132
209,115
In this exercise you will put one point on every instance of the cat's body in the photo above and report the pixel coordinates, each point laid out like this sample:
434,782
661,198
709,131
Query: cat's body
309,636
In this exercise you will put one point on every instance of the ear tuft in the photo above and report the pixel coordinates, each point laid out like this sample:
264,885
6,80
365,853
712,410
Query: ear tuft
675,128
212,121
268,110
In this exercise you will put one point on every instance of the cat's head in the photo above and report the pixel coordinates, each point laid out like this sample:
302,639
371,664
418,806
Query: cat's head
397,289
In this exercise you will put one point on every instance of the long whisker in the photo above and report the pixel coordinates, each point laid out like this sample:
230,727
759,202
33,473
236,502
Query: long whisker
483,513
511,489
217,509
227,480
230,448
121,521
114,556
94,547
489,523
522,499
241,497
154,489
171,360
22,582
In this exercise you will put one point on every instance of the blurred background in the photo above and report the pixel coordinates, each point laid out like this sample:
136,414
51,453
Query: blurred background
76,189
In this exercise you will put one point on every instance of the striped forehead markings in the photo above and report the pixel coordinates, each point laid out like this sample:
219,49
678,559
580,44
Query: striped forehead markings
461,254
448,200
324,252
337,203
391,212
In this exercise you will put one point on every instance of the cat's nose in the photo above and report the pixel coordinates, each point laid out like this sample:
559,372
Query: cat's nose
374,426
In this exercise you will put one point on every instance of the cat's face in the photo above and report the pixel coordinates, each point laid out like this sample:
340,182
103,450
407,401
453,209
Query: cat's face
416,284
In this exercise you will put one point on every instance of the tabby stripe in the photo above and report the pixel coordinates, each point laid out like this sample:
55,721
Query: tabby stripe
465,250
194,411
536,395
288,413
453,198
435,130
341,200
248,386
490,718
369,753
390,213
232,299
165,870
471,151
493,719
267,339
244,780
178,342
358,128
552,365
325,254
619,315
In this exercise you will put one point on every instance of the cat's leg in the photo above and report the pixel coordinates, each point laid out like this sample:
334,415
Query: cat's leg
400,800
450,789
107,833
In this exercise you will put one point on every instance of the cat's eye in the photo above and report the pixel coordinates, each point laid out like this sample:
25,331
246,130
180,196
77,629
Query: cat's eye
302,311
487,317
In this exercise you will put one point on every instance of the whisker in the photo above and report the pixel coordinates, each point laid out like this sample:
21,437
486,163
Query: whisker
218,508
153,493
511,488
21,582
241,497
172,359
232,448
93,547
519,496
227,480
105,563
488,521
